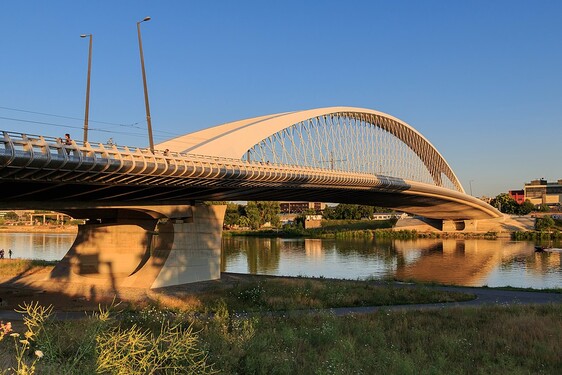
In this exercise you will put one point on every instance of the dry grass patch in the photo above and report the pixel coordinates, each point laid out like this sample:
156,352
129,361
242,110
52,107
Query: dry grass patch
24,267
274,294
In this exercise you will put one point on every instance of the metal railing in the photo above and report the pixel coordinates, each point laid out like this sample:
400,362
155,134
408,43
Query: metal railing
27,156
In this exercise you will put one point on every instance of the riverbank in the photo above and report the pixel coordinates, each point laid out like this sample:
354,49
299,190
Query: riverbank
39,229
493,333
410,228
26,281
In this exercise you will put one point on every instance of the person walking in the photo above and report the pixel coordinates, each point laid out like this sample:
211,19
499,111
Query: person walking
67,142
10,253
1,253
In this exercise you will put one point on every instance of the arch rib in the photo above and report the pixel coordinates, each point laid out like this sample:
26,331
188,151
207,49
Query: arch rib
235,139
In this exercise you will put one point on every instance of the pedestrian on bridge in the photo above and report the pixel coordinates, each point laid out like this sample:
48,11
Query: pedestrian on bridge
67,142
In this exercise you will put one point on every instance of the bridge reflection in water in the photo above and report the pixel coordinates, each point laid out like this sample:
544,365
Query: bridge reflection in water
460,262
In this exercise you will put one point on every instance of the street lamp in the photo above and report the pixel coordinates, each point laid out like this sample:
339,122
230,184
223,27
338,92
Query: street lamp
87,87
148,121
470,183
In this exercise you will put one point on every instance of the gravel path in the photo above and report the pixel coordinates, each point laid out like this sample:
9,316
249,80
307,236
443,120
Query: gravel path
484,296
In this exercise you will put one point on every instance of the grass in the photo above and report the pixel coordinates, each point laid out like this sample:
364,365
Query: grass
476,340
480,340
537,236
507,287
521,289
514,340
278,294
22,267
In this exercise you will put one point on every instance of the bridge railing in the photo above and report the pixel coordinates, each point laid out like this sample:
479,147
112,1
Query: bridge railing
41,156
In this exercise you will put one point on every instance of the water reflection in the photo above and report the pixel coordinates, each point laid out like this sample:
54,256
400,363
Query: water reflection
450,261
455,261
46,246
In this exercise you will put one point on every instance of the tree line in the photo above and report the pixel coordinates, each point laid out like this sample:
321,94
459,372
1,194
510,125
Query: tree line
256,214
507,205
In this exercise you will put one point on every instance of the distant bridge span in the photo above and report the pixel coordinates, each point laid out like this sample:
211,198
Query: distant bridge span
145,202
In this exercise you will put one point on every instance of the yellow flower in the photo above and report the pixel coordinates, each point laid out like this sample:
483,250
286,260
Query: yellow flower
39,353
15,334
28,334
24,342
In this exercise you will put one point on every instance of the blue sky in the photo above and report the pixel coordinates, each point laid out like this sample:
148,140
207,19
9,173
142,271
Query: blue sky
481,79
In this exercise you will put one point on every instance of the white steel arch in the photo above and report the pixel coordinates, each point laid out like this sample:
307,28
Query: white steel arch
347,139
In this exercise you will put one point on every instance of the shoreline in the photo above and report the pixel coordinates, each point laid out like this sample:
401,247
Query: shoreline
75,297
72,229
388,233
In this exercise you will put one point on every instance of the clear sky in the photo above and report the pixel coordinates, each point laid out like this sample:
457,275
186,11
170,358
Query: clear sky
481,79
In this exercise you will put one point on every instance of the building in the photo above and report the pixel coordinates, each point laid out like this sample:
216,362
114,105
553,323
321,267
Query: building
518,195
543,192
389,215
313,221
299,207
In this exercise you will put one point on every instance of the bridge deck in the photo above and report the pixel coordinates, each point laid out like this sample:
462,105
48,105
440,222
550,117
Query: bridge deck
41,172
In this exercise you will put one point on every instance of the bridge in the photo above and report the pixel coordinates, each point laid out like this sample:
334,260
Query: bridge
146,226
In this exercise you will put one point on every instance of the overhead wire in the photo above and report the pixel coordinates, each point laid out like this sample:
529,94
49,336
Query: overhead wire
163,134
68,117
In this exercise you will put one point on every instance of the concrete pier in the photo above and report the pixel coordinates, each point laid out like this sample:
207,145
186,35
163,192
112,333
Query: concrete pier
145,246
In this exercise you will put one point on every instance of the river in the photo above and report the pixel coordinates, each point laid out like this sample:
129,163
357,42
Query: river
471,262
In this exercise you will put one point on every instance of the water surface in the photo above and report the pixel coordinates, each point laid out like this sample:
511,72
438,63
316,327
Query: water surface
474,262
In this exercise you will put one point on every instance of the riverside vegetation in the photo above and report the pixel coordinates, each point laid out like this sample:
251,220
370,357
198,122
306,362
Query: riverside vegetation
231,329
546,228
514,340
353,229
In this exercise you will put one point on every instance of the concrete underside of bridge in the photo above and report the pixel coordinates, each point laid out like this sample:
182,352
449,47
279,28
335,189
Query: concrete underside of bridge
144,246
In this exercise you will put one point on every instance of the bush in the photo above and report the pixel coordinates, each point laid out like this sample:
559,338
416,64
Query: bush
138,351
544,223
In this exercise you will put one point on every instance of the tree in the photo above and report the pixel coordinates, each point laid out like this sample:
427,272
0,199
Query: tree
525,208
269,212
544,223
253,214
215,203
505,203
348,212
232,214
543,207
244,221
11,216
329,213
365,212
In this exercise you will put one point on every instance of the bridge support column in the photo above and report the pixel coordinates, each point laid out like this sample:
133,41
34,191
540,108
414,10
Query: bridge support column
195,252
145,246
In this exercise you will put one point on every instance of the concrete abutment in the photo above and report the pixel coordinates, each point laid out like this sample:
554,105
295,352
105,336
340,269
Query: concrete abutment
144,246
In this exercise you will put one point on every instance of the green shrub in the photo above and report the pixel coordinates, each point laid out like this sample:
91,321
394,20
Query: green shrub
134,350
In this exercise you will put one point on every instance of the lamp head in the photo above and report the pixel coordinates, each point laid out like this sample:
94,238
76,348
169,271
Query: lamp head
146,19
85,35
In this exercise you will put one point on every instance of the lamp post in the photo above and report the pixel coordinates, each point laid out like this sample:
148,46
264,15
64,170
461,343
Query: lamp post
470,183
87,87
148,121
